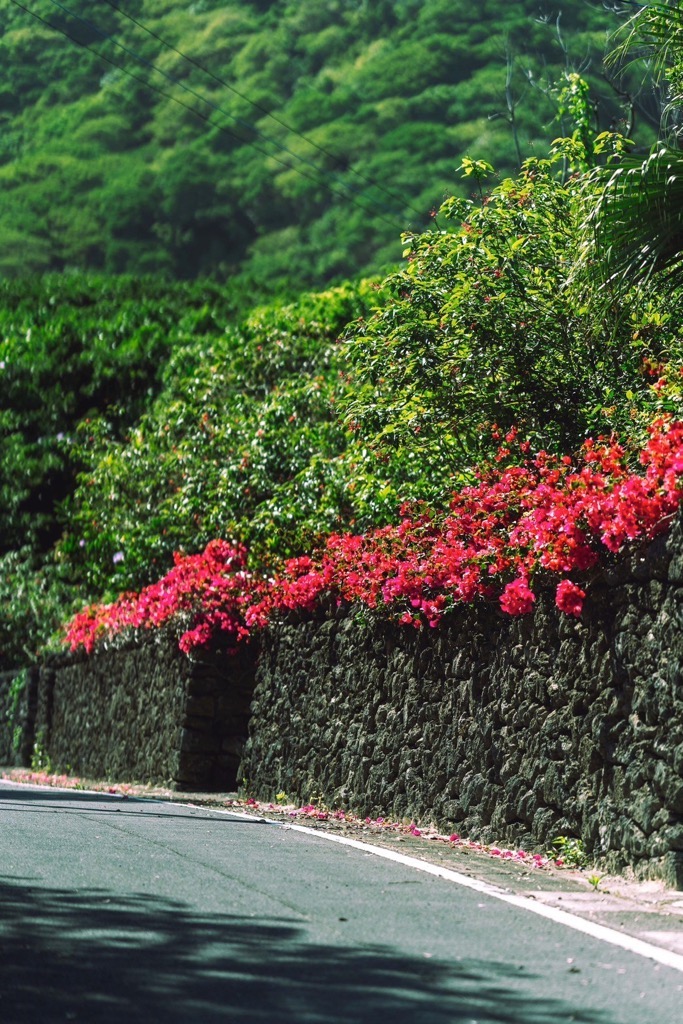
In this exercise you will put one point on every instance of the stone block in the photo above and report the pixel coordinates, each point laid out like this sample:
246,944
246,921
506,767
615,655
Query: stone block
670,870
192,742
669,786
201,707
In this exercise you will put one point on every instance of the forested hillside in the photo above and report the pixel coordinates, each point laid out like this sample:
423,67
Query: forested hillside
211,365
285,141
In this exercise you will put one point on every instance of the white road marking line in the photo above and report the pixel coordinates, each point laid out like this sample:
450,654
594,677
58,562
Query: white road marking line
579,924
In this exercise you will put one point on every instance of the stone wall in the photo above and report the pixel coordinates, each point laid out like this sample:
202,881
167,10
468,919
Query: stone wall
516,730
146,713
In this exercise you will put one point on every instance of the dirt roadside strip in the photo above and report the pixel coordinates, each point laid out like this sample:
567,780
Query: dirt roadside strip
645,910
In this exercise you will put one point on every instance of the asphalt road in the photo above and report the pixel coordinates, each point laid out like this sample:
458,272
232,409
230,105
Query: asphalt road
123,910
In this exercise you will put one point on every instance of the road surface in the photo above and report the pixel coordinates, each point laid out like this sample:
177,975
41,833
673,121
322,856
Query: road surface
121,910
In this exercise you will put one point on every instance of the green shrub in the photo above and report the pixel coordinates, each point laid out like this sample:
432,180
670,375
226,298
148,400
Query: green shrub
243,441
486,325
36,597
73,347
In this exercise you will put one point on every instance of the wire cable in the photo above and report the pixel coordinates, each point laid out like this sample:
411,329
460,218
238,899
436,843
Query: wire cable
258,106
319,180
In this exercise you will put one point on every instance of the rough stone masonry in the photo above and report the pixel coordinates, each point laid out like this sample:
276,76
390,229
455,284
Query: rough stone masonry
513,730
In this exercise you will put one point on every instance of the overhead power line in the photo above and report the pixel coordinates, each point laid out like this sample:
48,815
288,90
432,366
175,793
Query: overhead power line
258,106
351,195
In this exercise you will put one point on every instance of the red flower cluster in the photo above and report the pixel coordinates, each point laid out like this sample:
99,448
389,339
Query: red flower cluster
545,516
208,592
569,598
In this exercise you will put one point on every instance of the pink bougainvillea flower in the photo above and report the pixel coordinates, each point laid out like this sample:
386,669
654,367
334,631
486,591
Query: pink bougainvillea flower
517,522
517,598
569,597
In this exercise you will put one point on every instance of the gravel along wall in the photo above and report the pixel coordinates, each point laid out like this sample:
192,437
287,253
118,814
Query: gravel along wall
513,730
146,713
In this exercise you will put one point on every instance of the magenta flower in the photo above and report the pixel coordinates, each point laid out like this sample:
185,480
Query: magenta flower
569,597
516,598
547,513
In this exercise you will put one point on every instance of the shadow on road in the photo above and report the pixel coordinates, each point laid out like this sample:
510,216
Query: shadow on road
75,802
91,957
24,794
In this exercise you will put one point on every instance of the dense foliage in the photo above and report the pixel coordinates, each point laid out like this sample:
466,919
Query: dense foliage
73,347
243,441
289,141
486,324
637,223
485,331
351,439
285,426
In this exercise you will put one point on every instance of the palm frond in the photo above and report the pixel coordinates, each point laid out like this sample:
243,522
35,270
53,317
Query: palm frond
636,225
654,32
